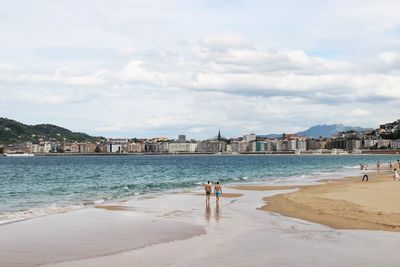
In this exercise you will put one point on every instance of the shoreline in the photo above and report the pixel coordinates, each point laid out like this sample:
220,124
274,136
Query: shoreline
344,203
275,153
163,229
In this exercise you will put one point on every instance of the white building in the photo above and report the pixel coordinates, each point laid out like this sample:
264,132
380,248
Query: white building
182,148
395,144
370,142
249,137
383,143
116,145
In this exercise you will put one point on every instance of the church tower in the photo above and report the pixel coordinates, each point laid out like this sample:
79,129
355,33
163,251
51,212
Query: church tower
219,134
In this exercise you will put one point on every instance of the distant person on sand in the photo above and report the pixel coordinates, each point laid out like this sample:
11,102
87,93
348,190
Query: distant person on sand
365,175
217,191
398,163
207,188
390,165
361,166
378,165
396,176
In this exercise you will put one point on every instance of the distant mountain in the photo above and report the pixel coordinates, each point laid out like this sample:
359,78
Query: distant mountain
327,130
15,132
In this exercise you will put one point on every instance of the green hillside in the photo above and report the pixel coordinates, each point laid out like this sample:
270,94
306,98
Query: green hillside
15,132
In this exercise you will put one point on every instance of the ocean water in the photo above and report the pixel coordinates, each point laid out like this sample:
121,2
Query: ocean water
35,186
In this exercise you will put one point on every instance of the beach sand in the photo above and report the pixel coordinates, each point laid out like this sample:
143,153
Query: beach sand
181,230
345,204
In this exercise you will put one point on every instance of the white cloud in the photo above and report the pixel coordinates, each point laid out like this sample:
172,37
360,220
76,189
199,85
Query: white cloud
127,50
186,67
360,112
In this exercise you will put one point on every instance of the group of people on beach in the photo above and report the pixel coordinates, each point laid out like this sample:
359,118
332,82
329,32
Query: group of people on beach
396,176
217,191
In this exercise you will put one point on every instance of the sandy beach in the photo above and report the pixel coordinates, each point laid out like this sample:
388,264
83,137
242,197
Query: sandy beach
345,204
261,225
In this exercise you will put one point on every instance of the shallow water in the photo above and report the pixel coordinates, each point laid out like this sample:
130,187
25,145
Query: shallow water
36,186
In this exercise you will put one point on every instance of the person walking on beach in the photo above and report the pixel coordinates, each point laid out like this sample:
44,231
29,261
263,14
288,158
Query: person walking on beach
378,165
218,192
207,188
396,176
365,175
390,165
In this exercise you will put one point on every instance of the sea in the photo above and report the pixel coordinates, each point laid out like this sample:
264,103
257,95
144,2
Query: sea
40,185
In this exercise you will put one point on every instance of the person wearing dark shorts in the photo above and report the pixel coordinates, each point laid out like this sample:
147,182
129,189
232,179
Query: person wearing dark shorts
207,188
365,175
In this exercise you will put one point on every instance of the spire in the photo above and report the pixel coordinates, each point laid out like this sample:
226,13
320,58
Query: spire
219,134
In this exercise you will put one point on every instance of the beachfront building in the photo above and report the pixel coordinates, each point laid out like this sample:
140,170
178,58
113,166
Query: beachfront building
315,144
175,148
368,143
135,147
270,145
163,147
259,146
336,143
55,147
235,146
301,144
240,146
87,148
211,146
116,145
395,144
249,137
352,145
17,148
383,143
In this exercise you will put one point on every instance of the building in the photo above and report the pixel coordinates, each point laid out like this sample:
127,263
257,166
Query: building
368,143
135,147
211,146
116,145
182,148
383,143
250,137
395,144
182,138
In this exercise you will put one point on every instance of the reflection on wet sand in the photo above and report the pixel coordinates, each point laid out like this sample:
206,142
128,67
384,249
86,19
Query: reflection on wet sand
207,213
217,212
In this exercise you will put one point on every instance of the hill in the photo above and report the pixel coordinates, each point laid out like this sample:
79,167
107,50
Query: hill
15,132
327,130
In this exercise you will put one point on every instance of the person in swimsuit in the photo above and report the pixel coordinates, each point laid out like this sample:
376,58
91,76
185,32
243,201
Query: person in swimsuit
207,188
365,175
395,175
217,191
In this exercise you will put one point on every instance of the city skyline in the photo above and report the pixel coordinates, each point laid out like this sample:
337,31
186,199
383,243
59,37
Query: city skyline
130,68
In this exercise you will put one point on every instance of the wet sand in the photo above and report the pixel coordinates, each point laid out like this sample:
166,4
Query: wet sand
224,195
266,187
84,234
344,204
182,230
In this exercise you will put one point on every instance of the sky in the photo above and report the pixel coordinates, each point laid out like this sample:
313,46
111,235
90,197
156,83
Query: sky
126,68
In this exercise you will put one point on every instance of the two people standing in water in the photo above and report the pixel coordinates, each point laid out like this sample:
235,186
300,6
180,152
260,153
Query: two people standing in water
217,191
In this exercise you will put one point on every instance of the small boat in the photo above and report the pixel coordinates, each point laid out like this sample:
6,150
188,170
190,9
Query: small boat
18,155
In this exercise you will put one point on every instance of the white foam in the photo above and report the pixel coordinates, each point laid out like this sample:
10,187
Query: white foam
100,201
9,217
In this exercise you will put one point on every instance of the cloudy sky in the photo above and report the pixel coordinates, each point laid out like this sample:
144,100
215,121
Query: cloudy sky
125,68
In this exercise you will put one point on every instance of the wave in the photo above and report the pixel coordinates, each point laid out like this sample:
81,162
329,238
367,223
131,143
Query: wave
9,217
